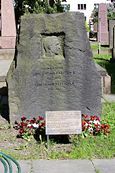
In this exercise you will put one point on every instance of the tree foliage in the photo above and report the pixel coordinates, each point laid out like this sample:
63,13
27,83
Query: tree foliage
95,15
37,6
110,13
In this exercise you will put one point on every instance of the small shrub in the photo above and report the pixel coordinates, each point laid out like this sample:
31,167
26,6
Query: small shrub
92,125
28,127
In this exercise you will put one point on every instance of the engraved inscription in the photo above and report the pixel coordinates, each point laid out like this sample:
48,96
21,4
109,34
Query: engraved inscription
54,77
63,122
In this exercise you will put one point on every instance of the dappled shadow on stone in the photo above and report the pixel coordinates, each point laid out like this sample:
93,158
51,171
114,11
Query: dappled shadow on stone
4,105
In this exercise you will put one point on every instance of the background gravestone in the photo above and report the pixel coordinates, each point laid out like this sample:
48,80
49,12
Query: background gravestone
103,37
112,38
54,71
113,53
111,26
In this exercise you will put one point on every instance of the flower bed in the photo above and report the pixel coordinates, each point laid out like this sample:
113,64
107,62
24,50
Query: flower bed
94,126
91,125
28,127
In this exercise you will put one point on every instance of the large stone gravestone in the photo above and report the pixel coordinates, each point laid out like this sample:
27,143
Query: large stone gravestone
103,25
54,71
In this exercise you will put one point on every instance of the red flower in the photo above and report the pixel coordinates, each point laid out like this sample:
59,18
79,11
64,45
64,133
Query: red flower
32,121
23,118
94,117
105,128
84,125
23,124
85,117
21,131
42,125
41,118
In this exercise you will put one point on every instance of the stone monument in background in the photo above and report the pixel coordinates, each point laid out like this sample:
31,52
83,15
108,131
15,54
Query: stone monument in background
111,26
103,38
55,70
7,50
8,27
112,38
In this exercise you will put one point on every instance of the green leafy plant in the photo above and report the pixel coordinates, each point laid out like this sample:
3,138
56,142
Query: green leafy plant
87,27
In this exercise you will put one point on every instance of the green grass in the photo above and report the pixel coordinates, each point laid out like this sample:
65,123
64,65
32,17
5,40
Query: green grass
97,171
104,61
94,46
79,148
102,57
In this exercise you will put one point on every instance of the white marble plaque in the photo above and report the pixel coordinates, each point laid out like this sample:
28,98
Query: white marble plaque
63,122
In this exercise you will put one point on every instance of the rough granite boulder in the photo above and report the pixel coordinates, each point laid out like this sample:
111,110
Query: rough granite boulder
54,69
